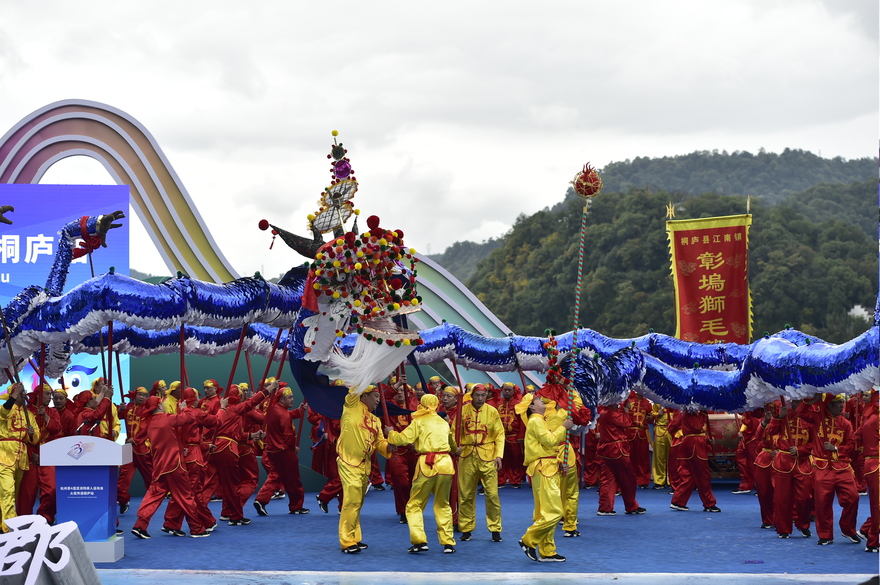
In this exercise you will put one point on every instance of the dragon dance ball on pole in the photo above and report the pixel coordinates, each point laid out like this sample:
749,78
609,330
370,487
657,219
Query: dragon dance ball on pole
587,184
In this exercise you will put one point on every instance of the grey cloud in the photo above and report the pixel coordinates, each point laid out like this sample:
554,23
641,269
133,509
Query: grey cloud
10,59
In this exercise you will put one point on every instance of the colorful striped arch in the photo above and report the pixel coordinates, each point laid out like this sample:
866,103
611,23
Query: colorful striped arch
132,157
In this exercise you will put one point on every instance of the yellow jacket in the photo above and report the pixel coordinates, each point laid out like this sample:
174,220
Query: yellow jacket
661,420
542,447
117,426
360,433
13,436
555,417
429,434
483,431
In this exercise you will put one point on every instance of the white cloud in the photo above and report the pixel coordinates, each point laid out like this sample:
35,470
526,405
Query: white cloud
458,116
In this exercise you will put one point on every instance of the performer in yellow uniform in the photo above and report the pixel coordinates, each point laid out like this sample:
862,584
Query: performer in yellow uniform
360,436
110,425
569,483
172,396
433,440
543,466
15,432
482,444
662,416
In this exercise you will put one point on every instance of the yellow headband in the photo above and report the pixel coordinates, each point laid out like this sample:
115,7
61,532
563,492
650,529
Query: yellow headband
427,405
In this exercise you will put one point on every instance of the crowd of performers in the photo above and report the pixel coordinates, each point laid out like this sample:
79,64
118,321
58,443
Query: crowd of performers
454,445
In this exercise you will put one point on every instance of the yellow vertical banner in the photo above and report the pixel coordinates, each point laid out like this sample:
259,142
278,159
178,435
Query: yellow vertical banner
710,270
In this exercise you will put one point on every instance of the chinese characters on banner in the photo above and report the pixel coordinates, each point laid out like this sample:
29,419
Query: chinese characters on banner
710,270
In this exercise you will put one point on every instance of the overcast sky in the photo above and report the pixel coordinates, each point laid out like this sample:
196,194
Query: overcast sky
458,116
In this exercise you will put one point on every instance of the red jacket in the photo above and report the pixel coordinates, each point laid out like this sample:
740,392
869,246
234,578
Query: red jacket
870,436
136,418
694,440
88,420
162,431
280,430
833,429
230,429
787,432
514,429
612,428
639,411
67,417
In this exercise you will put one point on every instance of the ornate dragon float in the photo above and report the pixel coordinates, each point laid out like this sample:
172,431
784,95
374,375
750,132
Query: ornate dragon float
344,314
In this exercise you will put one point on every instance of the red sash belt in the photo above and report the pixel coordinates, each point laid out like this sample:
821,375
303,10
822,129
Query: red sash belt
431,456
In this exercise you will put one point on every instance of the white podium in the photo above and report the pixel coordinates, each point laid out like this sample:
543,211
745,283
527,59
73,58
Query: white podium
86,472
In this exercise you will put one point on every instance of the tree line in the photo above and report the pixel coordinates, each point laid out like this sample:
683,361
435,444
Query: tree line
805,272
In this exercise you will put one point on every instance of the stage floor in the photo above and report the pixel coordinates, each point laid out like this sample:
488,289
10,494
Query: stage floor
661,546
146,577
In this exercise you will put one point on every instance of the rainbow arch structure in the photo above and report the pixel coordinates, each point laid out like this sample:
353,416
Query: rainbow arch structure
132,157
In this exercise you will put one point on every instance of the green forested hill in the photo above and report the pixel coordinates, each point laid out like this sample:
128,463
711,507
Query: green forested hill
808,267
767,175
461,258
772,178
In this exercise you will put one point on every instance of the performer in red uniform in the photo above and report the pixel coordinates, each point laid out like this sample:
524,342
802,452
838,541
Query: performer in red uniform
673,466
513,470
854,412
613,448
449,399
158,389
210,404
169,470
400,467
325,433
832,445
329,433
792,472
65,410
91,411
135,417
126,471
40,478
252,430
283,451
763,473
273,481
435,386
592,462
693,459
746,451
225,450
637,436
869,434
189,433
